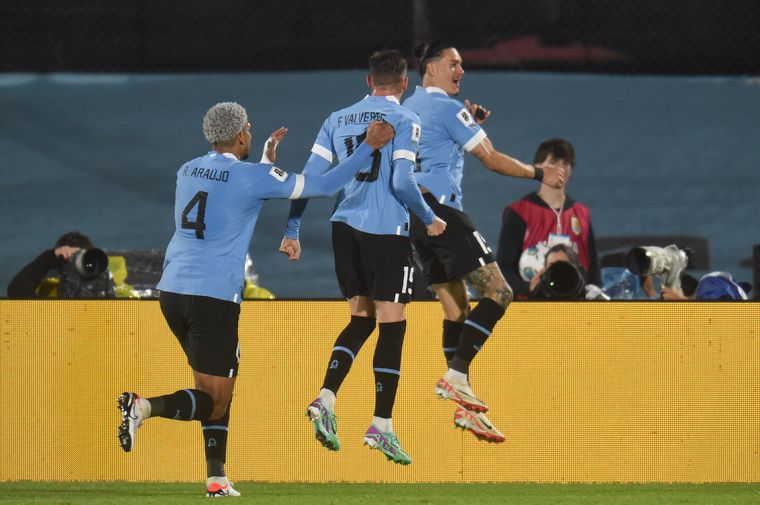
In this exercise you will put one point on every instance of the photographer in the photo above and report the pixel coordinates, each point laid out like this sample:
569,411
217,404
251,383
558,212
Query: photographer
89,279
543,218
562,277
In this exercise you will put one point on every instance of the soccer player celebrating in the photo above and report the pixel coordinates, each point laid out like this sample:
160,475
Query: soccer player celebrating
217,202
372,251
461,255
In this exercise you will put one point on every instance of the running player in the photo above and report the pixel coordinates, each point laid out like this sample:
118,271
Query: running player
218,200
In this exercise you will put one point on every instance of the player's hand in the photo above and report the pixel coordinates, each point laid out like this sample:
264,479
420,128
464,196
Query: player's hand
65,252
291,248
437,227
379,133
554,176
479,113
270,148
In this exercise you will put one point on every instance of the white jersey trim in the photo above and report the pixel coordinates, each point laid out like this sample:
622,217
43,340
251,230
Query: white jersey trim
435,89
403,154
323,152
474,141
297,187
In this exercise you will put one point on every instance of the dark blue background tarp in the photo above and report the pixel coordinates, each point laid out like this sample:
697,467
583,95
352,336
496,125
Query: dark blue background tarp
98,153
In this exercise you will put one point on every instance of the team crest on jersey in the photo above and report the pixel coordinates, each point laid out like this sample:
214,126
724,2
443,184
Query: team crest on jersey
278,173
416,132
575,224
465,117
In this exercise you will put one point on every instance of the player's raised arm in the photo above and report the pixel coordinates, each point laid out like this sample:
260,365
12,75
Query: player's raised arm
269,155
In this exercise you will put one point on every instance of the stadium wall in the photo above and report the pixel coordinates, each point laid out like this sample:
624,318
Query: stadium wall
585,392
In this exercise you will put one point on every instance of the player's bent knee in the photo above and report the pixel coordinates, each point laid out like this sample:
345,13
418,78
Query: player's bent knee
219,410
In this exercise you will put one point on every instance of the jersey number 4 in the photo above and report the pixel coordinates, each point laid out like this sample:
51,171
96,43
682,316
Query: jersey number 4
199,224
370,176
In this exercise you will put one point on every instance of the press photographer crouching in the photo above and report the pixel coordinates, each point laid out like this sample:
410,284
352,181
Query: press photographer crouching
73,269
563,278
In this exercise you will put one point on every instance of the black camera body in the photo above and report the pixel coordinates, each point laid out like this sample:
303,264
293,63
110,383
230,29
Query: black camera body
86,275
561,281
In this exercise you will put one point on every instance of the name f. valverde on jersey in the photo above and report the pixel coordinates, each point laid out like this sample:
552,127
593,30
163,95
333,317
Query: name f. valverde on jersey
361,204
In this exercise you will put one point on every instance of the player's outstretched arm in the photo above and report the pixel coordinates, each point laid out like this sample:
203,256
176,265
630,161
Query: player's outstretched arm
379,133
503,164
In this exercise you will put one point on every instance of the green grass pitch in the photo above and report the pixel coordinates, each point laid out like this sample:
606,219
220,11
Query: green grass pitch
123,493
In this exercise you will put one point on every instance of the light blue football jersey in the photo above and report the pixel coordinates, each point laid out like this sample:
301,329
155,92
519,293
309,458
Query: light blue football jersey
378,199
217,202
448,130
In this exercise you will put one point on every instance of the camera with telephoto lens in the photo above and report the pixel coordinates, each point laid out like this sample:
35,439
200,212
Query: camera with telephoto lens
86,275
90,263
561,281
667,263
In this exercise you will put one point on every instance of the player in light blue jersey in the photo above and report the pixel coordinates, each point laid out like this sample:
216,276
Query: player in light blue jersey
371,246
449,129
218,200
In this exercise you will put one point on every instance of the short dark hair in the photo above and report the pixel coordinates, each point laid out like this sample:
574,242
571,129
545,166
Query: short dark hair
429,51
387,67
572,256
559,149
74,239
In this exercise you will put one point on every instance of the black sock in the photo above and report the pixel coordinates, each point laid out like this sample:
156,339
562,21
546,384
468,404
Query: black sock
477,328
215,443
387,366
451,332
184,405
347,346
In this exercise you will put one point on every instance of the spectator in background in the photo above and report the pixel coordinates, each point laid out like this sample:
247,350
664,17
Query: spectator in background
543,219
34,281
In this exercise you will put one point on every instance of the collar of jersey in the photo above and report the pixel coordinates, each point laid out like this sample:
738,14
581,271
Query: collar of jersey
226,155
390,98
435,89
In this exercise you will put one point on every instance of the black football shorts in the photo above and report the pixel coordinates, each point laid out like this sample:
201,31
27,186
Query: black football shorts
459,250
207,330
376,266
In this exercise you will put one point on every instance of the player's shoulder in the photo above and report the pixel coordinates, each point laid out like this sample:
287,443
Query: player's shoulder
403,114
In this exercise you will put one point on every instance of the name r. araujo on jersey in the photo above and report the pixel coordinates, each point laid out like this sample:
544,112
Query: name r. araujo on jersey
211,174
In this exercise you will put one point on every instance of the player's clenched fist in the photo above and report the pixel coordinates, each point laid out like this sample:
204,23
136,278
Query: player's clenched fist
436,227
379,133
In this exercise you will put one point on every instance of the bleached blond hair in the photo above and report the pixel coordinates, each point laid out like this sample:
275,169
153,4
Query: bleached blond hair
223,122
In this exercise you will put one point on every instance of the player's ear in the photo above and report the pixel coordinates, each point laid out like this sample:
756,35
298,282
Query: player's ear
369,81
404,83
430,69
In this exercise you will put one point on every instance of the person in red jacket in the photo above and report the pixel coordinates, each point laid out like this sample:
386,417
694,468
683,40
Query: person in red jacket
539,220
